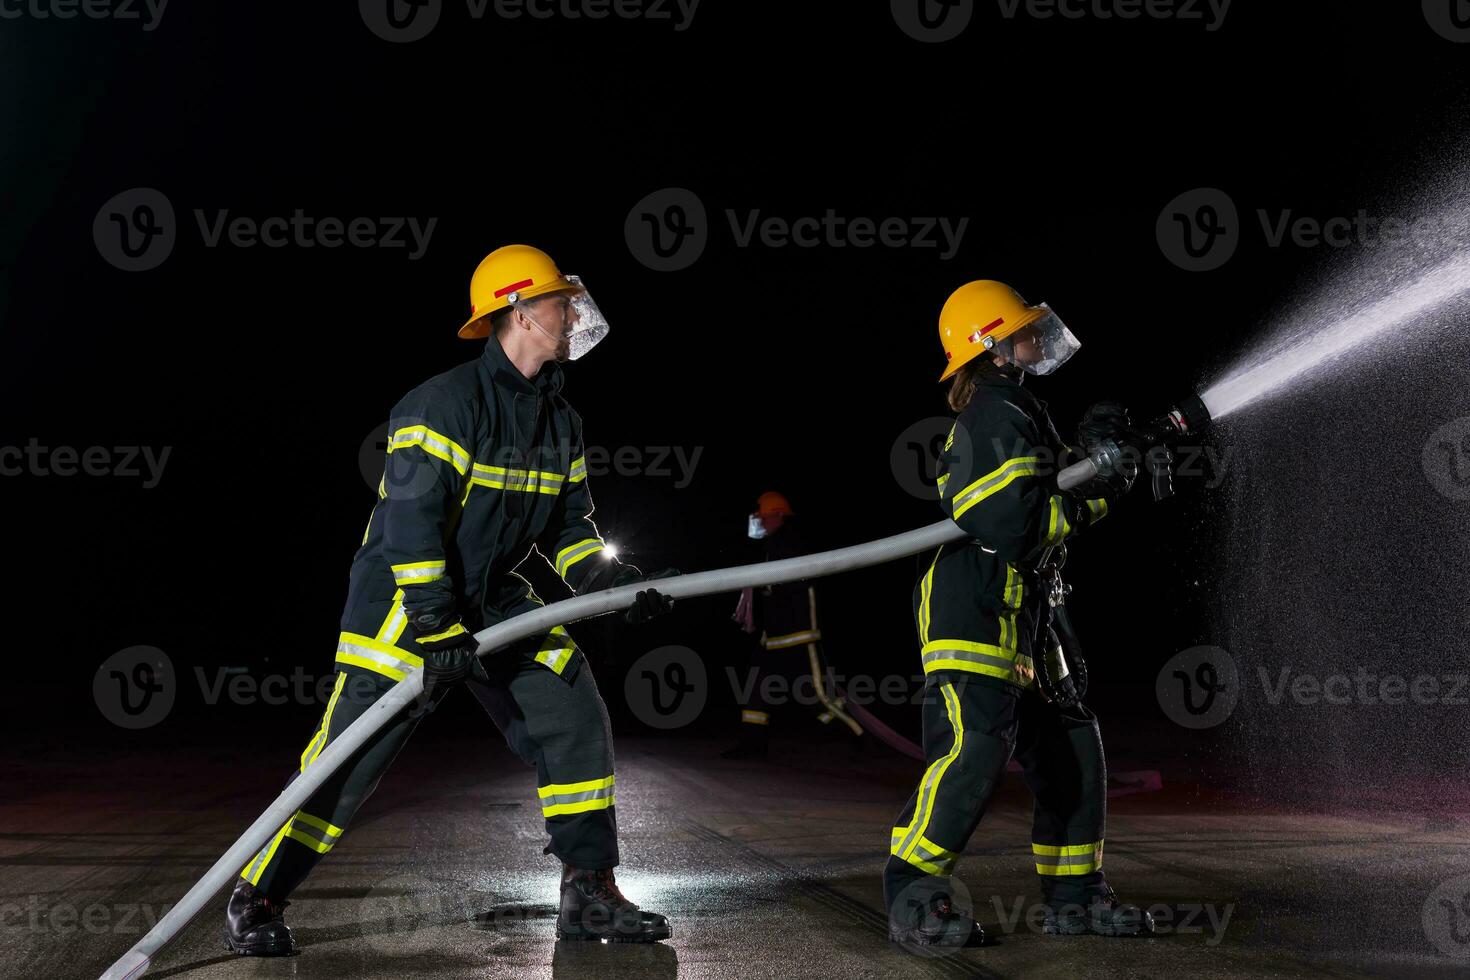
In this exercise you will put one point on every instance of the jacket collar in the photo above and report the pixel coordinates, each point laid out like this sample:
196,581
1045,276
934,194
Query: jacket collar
548,380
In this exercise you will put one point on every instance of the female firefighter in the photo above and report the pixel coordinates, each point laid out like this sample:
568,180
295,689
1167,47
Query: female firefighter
982,617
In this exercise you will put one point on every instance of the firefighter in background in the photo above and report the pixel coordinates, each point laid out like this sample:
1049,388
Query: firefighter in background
484,462
982,616
790,638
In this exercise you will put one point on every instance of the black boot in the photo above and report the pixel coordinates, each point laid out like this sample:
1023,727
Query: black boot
593,908
933,922
1102,915
255,925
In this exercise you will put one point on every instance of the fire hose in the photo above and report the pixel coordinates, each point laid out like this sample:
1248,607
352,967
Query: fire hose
136,961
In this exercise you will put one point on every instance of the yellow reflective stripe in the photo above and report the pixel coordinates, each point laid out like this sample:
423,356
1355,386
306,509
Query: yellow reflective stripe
1011,601
394,623
928,856
1068,859
418,572
1098,508
528,481
1057,527
456,630
375,655
976,658
562,798
573,553
754,717
252,871
791,639
929,786
433,443
320,847
579,470
557,649
586,785
319,740
926,590
331,830
994,482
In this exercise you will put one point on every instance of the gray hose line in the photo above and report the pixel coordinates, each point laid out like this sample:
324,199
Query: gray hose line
136,961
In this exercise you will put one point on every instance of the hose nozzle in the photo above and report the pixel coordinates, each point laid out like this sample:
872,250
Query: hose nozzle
1188,418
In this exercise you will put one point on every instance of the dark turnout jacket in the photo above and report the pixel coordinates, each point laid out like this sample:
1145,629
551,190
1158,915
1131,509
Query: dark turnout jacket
977,604
482,465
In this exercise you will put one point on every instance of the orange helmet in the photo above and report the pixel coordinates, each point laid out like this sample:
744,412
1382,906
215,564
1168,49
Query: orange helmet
771,503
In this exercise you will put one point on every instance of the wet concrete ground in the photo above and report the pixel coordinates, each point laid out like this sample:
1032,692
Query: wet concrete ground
765,869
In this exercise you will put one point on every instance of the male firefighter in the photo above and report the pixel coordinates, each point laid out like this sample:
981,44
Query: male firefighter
983,622
785,614
484,462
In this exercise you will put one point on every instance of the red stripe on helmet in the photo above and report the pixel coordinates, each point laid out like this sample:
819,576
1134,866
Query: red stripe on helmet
991,326
513,287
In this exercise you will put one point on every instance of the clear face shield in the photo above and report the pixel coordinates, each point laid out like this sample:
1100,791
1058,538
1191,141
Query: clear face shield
569,316
1041,346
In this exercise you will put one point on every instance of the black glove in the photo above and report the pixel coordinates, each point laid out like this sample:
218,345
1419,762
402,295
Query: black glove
648,603
447,661
1103,423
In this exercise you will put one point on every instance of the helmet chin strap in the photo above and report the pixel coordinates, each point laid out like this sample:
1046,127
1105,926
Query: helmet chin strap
544,332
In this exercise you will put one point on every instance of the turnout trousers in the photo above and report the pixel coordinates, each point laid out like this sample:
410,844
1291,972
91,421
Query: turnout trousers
557,724
972,727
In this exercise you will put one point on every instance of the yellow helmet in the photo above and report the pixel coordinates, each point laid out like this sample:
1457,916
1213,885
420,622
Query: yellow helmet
979,315
509,274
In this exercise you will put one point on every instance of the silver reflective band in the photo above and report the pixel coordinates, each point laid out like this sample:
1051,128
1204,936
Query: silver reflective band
376,656
969,656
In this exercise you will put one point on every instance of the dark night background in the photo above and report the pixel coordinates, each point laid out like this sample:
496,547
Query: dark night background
265,370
